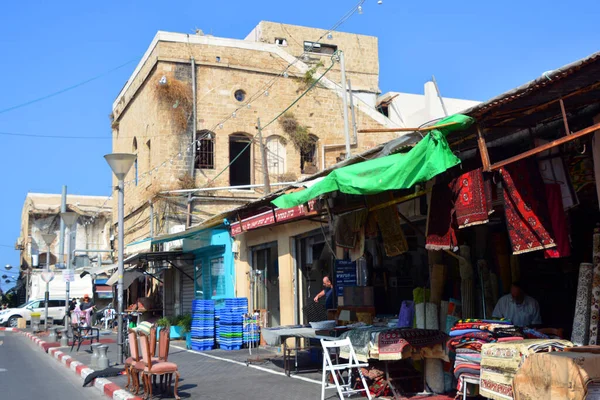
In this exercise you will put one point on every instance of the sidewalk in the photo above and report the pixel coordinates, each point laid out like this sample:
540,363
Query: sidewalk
220,374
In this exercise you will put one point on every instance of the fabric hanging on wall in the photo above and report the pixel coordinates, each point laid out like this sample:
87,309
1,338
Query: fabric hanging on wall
595,297
359,248
441,234
581,321
390,225
427,317
552,170
502,254
438,278
527,220
434,375
471,199
468,301
347,227
559,223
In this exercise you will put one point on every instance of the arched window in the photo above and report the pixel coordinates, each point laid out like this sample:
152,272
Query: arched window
308,156
276,155
205,150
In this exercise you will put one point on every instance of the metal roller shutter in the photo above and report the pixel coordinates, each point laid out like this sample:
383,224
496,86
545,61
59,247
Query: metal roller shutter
187,289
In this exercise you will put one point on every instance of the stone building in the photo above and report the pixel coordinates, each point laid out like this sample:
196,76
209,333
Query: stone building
236,83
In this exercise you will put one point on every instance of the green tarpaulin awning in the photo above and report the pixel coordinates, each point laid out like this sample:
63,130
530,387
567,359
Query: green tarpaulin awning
430,157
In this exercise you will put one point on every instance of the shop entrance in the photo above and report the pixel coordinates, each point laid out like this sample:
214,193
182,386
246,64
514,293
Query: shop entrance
239,150
265,281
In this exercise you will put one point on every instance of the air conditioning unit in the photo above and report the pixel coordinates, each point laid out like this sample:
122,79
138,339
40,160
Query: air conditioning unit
175,244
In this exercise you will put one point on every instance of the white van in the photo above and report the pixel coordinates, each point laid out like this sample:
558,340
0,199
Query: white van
56,310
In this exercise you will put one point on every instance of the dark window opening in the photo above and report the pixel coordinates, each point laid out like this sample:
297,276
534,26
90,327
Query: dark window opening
239,157
320,48
281,41
384,109
240,95
308,157
205,150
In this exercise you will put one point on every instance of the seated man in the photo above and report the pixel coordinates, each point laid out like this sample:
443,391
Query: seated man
519,308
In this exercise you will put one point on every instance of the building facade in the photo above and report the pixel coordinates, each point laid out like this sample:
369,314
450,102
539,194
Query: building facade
41,215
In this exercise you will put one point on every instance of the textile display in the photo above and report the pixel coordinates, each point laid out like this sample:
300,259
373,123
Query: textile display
429,157
382,343
556,375
595,297
552,170
348,226
501,361
527,220
427,315
438,278
390,226
420,295
441,234
558,220
434,375
471,205
406,316
581,321
359,248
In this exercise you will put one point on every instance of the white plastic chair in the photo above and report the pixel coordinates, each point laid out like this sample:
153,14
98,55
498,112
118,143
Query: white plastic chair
336,370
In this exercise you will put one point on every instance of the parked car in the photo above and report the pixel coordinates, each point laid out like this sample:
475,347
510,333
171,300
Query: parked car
56,310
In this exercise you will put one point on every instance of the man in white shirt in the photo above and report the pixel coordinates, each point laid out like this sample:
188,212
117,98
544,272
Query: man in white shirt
519,308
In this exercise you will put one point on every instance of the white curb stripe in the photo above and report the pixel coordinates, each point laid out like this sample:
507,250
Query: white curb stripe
122,395
64,359
85,372
74,365
99,383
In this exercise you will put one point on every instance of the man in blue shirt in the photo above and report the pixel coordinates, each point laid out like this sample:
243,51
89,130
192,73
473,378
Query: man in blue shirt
328,292
519,308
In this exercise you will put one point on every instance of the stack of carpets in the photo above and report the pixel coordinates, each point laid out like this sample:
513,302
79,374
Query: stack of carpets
467,338
501,361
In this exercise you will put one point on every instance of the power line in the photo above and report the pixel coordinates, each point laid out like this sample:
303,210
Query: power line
53,136
66,89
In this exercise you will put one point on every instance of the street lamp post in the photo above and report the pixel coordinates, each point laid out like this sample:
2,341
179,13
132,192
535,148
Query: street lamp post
120,163
46,276
70,219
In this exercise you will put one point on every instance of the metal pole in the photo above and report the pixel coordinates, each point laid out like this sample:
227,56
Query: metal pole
61,244
263,154
121,206
68,284
345,105
194,120
47,294
354,127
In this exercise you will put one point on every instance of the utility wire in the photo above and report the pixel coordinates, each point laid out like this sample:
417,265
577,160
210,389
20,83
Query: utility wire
66,89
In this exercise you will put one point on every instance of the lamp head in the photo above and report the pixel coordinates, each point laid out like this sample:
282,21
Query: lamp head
120,163
69,218
48,238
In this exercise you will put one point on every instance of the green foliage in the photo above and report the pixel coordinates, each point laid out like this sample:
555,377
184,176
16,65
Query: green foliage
309,76
164,322
185,322
298,134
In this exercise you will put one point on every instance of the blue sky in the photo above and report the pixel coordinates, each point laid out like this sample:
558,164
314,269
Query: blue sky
476,50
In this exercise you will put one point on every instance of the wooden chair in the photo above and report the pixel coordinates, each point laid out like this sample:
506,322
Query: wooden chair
133,377
150,368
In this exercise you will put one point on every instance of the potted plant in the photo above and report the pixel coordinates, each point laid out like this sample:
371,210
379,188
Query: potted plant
185,323
176,330
162,323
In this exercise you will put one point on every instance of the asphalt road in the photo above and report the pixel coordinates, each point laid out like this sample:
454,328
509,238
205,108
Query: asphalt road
27,373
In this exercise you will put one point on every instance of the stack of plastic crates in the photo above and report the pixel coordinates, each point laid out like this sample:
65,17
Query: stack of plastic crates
251,330
231,322
203,325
